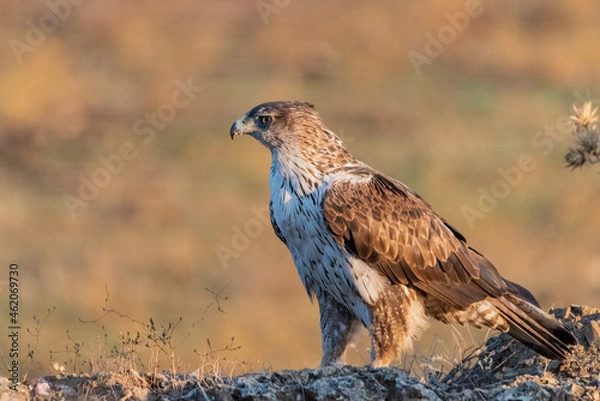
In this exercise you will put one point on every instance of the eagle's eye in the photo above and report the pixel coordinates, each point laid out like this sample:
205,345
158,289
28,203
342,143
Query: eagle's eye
265,119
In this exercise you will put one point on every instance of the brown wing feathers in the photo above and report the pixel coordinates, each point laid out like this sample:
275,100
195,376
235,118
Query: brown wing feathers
398,233
384,223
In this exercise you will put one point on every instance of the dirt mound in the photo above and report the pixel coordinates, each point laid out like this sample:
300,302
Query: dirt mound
502,369
506,370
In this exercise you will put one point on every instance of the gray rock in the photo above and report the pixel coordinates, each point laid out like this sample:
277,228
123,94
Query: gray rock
501,370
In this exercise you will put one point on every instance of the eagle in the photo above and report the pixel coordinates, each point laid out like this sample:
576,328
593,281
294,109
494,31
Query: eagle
373,252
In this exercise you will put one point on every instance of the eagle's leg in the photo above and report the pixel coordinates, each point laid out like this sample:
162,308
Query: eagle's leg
397,318
338,325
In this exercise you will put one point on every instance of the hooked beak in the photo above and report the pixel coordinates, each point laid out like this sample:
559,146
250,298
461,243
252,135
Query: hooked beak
238,128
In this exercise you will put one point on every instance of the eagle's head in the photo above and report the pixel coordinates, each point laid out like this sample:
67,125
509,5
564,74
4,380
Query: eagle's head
302,147
277,123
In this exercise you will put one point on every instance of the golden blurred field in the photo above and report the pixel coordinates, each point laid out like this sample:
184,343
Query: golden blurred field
101,85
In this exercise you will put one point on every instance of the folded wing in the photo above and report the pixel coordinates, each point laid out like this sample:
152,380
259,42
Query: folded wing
382,222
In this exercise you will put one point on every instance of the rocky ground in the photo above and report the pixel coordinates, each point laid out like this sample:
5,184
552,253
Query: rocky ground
501,370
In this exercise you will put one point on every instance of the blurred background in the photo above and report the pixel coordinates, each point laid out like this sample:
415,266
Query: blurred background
122,192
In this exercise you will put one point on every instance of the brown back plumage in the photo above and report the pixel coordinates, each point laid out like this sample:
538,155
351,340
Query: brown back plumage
383,222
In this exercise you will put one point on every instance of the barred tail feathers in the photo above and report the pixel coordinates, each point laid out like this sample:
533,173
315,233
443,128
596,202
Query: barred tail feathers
534,327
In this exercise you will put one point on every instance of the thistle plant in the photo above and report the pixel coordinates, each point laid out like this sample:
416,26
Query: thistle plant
585,130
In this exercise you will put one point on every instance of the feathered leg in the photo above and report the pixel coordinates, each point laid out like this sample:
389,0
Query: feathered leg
338,325
396,320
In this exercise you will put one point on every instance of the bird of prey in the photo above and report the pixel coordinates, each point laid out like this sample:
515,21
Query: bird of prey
375,253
